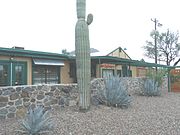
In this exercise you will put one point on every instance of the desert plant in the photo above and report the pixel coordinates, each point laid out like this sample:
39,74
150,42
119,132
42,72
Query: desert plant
157,75
36,122
151,88
115,93
83,60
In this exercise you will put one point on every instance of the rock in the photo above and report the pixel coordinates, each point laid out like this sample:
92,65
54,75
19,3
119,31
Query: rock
53,88
26,99
2,117
54,101
3,104
41,92
3,99
14,96
7,93
18,89
72,103
3,111
10,103
24,94
95,101
10,115
40,97
66,90
62,102
56,93
33,100
28,89
20,113
49,93
18,102
26,104
12,109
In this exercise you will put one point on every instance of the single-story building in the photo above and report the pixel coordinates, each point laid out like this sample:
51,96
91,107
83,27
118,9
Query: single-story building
26,67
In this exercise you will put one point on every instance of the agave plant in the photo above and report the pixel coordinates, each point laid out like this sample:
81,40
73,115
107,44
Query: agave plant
115,93
151,88
36,122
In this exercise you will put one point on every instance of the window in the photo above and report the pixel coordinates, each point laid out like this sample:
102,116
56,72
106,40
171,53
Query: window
126,72
107,73
119,73
93,70
46,74
72,71
130,73
4,76
18,74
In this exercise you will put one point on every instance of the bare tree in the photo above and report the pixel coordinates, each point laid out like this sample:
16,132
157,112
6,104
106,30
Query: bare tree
167,46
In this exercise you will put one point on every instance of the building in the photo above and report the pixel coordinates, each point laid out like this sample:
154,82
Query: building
26,67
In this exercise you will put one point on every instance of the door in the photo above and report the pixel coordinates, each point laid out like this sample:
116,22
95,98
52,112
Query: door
4,76
107,73
124,70
19,71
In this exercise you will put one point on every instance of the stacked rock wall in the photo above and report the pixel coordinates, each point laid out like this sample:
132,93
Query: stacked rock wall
15,100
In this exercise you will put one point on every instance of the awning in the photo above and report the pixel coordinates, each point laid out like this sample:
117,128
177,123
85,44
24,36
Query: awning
48,62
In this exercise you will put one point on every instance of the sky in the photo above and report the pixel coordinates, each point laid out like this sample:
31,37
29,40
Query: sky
49,25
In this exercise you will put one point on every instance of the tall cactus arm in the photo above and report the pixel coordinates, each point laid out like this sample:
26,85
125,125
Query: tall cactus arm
81,8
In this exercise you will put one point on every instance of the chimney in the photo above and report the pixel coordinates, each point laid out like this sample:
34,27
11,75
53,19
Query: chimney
18,47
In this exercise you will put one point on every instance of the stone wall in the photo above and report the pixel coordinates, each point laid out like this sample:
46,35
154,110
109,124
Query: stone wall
135,85
15,100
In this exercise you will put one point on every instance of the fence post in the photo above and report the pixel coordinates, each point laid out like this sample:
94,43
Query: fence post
169,80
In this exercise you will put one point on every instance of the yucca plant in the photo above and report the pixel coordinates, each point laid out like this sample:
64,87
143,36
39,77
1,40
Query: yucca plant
151,88
115,93
36,122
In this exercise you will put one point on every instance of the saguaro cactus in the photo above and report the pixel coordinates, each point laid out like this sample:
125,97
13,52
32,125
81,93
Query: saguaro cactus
83,60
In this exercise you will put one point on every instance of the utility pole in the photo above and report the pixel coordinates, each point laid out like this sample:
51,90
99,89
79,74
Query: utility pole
155,38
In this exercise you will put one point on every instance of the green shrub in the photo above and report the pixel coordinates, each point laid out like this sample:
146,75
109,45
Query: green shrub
151,88
157,75
36,122
115,93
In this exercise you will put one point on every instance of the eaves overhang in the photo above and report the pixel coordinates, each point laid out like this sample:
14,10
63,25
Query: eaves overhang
116,60
32,54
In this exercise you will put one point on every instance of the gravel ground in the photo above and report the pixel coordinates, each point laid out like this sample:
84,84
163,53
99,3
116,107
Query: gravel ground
146,116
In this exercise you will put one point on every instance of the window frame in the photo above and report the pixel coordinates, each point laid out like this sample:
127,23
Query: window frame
44,69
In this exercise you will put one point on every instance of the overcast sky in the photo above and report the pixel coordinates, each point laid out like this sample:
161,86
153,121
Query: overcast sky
49,25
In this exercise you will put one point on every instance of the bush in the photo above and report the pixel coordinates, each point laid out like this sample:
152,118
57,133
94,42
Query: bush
157,75
151,88
36,122
115,93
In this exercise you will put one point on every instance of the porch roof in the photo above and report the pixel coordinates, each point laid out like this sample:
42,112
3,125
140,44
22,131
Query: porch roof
116,60
30,53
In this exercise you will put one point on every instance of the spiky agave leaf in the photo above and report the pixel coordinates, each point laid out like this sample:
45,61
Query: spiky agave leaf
115,93
37,121
151,88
